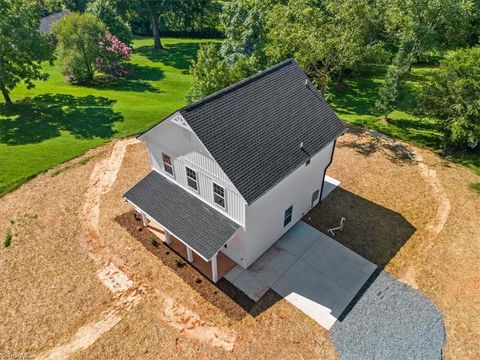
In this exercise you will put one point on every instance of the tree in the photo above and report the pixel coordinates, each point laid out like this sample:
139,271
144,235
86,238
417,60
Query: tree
22,47
78,38
211,73
246,32
103,10
113,56
422,25
152,10
452,97
325,37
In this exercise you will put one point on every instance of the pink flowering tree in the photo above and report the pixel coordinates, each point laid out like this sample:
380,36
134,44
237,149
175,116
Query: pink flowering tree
114,55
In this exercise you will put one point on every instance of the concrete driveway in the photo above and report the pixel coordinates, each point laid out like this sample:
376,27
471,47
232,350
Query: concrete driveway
310,270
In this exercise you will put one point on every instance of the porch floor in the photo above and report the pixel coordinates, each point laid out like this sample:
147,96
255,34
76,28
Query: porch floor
224,263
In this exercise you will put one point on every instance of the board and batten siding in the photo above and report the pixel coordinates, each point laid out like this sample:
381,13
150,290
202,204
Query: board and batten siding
185,149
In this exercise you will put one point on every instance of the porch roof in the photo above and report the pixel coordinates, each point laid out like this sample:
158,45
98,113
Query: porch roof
188,218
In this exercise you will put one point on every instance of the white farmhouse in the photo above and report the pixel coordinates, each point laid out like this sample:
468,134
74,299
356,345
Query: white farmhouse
234,171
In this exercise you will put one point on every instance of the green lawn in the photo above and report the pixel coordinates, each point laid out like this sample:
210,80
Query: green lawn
56,121
354,100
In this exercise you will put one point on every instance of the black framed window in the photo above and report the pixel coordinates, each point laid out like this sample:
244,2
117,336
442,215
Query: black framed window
288,216
167,164
219,195
191,178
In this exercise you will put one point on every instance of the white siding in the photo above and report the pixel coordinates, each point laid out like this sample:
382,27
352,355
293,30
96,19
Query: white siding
185,149
264,218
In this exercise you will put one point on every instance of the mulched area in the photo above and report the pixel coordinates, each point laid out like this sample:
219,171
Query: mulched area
223,295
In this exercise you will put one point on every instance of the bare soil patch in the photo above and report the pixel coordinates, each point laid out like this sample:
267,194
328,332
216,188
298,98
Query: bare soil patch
411,213
53,291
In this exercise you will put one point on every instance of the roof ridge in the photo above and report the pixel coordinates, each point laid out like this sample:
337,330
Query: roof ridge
238,84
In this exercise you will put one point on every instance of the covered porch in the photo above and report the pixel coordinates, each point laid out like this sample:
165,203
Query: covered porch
185,223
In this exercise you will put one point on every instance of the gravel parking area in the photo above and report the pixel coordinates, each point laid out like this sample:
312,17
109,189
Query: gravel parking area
389,320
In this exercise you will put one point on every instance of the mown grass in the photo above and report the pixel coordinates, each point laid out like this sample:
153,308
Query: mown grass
355,99
57,121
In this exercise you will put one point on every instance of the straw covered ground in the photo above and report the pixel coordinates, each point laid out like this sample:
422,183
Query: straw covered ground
76,282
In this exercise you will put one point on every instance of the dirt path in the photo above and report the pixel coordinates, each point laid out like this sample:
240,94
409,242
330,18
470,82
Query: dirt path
115,275
434,226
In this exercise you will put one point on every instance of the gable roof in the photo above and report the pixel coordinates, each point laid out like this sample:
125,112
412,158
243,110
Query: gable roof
254,128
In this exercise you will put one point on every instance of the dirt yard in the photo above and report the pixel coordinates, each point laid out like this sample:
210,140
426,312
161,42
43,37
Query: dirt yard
77,283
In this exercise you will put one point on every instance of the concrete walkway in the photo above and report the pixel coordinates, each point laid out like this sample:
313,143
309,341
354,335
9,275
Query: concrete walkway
315,273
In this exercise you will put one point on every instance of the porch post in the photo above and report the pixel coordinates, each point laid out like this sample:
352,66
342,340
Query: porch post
189,254
214,269
144,220
168,240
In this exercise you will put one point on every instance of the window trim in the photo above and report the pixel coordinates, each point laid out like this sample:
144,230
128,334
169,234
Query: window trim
224,207
288,214
165,165
191,178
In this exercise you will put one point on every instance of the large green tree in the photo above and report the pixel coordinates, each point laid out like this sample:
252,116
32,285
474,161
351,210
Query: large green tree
246,33
22,47
211,72
452,97
78,38
104,10
325,37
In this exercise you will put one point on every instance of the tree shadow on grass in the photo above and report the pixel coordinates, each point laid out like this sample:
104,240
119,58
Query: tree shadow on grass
43,117
138,80
179,56
357,96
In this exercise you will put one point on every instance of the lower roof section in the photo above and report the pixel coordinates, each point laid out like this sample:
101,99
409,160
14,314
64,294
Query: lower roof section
188,218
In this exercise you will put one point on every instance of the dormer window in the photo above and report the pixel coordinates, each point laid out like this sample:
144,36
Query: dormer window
167,164
192,178
219,195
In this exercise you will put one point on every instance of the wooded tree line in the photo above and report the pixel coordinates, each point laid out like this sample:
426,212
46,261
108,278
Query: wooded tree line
332,39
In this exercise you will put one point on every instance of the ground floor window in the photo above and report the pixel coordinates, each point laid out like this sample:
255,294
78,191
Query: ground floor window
288,216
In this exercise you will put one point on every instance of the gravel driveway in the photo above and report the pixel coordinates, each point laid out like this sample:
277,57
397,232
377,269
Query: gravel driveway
390,320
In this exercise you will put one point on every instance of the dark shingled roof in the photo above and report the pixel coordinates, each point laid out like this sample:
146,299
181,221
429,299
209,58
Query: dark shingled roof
254,128
202,228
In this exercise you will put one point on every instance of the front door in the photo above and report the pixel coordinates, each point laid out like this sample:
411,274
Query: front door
315,198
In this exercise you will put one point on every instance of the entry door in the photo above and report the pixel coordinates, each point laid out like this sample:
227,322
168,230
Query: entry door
315,197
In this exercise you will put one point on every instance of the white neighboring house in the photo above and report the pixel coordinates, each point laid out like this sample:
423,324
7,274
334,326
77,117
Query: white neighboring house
233,172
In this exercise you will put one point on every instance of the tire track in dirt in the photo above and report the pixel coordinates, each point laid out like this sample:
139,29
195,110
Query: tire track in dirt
435,225
127,289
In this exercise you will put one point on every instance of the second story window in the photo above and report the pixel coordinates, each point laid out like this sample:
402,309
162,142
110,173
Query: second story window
219,195
288,216
192,178
167,164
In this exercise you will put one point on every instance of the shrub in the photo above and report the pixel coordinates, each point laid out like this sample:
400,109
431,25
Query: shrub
113,56
78,38
8,239
154,242
179,261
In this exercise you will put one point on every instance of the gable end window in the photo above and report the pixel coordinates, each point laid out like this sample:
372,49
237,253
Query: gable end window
288,216
167,164
219,195
192,178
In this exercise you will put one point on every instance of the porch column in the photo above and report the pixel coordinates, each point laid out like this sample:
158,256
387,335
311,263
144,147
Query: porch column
214,269
168,239
189,255
144,220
